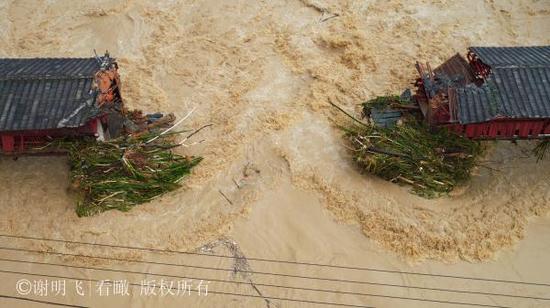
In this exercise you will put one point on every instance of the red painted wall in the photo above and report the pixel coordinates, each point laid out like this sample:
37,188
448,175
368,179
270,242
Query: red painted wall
20,141
504,129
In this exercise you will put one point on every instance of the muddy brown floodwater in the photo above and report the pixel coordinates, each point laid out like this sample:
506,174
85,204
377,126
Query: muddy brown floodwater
263,73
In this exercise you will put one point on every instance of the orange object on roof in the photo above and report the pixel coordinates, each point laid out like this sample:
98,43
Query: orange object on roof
107,81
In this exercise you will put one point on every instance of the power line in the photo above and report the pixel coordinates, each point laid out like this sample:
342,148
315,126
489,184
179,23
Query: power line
40,301
240,282
213,292
279,261
284,275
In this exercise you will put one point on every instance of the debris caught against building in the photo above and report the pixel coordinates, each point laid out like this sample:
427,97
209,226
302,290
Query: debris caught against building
497,93
47,98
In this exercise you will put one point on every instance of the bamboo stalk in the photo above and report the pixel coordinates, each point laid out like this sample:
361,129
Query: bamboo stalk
432,162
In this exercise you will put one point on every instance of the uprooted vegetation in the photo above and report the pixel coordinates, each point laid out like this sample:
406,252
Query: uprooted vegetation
126,171
433,162
542,149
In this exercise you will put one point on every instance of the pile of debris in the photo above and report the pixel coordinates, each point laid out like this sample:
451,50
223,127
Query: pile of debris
433,162
131,169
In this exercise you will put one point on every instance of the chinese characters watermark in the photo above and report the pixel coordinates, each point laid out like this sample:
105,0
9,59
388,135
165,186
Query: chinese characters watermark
161,288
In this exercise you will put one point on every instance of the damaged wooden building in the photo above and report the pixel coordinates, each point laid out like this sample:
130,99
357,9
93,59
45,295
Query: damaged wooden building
46,98
493,93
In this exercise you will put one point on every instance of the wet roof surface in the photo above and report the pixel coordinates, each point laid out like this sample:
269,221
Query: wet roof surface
46,93
518,86
513,56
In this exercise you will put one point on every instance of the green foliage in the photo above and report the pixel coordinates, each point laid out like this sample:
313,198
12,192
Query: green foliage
124,172
433,162
382,102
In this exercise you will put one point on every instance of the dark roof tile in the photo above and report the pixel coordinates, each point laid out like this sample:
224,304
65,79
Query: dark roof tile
513,56
514,92
46,93
23,68
518,86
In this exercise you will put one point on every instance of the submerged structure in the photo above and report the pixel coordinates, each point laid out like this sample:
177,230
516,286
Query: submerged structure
55,105
496,93
48,98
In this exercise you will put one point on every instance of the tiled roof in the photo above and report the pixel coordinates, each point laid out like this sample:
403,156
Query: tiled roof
476,104
47,68
513,56
46,93
518,86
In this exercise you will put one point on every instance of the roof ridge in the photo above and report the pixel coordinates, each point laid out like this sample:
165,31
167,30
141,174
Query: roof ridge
517,56
49,58
502,47
512,66
45,77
